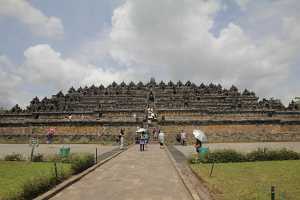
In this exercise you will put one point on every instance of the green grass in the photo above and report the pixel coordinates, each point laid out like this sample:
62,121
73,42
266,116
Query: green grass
13,175
252,180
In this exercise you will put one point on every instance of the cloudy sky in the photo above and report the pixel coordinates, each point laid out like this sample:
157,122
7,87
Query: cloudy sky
50,45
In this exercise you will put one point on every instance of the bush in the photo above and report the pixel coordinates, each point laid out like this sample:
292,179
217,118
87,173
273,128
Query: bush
38,158
224,156
33,187
257,155
13,157
265,154
80,162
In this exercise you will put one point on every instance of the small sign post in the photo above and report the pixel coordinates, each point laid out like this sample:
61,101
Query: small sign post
33,143
272,192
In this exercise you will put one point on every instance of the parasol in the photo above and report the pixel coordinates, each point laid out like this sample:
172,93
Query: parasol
200,135
140,130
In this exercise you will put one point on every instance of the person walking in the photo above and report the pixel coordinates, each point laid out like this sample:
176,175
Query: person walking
198,145
178,138
183,138
161,138
154,133
142,142
121,138
146,136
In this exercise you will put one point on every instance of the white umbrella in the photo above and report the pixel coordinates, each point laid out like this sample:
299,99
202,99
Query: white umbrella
140,130
200,135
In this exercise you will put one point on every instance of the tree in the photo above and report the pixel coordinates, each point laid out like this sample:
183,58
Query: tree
297,100
2,110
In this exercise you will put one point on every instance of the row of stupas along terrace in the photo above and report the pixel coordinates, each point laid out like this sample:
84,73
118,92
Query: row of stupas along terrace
98,113
162,96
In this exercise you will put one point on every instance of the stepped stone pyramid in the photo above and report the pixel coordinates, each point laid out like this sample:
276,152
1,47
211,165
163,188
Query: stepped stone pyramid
98,113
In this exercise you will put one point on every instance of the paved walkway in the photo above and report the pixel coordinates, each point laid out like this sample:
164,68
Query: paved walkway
147,175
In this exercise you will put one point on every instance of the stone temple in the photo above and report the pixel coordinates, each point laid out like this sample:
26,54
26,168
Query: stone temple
98,113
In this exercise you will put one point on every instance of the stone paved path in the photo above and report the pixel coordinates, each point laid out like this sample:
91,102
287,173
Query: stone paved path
147,175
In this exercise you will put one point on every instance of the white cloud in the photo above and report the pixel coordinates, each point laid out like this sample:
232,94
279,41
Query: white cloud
9,82
175,36
242,3
172,40
45,68
38,22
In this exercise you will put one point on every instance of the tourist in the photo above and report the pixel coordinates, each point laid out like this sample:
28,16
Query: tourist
121,138
154,134
142,142
137,136
198,145
161,137
178,138
183,137
146,138
49,135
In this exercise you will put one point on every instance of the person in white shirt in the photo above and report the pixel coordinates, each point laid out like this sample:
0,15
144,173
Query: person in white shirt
161,138
183,137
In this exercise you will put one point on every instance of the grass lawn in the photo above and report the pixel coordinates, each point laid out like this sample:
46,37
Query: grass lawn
14,174
252,180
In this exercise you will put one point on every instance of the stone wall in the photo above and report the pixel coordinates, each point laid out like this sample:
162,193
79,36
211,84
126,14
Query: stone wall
238,132
250,115
69,132
217,130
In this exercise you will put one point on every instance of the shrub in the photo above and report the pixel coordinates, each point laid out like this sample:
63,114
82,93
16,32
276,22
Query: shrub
224,156
80,162
13,157
257,155
38,185
265,154
38,158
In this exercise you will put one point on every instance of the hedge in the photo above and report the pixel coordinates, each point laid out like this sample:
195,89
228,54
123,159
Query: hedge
14,157
229,155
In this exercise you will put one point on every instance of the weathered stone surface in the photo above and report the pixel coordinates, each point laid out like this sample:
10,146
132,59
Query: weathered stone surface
226,114
164,95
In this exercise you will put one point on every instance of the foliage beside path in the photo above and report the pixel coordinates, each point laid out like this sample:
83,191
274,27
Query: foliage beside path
26,180
229,155
23,180
252,180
